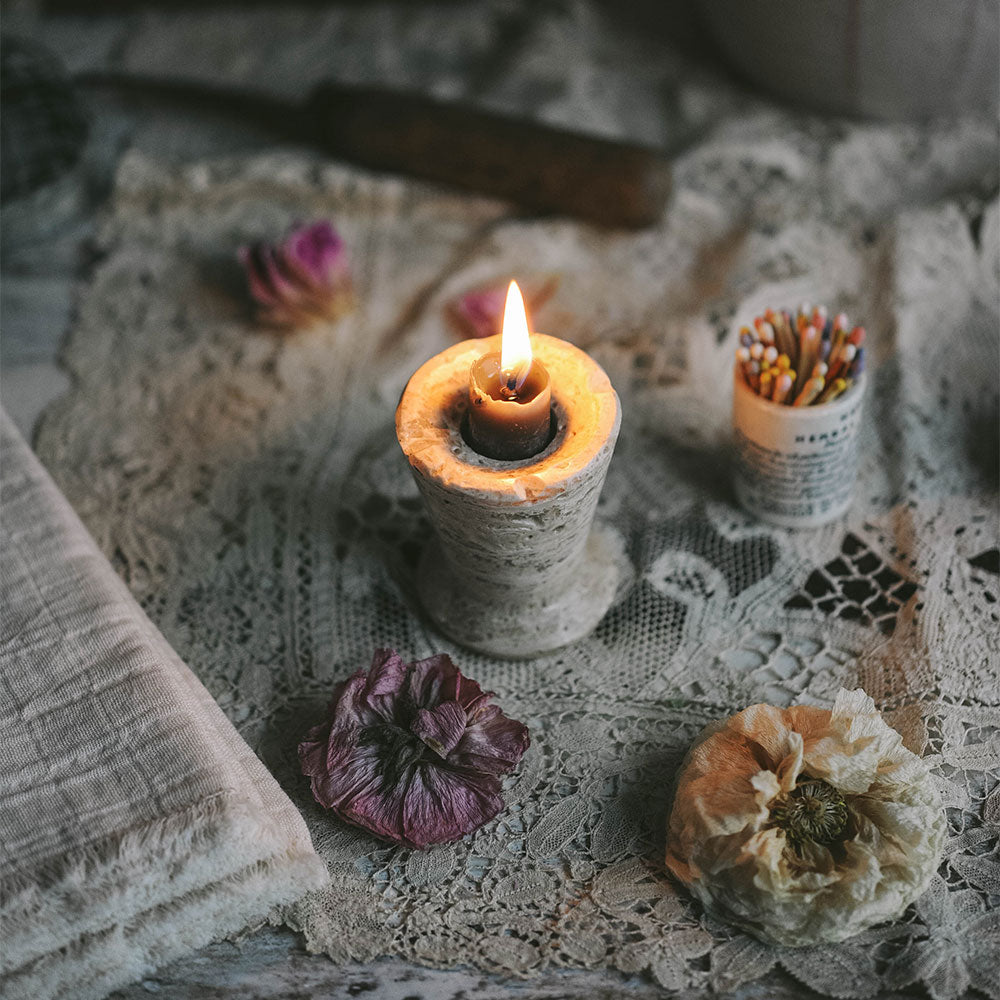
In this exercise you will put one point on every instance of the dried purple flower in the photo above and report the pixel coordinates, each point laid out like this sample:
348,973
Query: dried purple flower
479,312
303,279
413,752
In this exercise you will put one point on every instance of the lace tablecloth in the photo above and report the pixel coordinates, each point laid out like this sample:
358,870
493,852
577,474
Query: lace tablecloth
249,488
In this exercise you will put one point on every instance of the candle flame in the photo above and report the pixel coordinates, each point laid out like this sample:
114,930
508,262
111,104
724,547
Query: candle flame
515,344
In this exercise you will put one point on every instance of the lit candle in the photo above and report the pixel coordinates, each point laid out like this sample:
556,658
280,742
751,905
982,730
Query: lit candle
510,399
515,566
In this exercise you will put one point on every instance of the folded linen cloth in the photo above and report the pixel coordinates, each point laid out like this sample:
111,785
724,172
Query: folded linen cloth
135,823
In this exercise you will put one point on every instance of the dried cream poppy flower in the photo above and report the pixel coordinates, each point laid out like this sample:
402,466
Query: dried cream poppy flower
804,825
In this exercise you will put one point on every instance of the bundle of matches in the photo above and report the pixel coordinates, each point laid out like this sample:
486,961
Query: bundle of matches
801,360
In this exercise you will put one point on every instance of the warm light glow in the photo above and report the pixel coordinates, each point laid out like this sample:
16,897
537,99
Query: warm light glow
515,345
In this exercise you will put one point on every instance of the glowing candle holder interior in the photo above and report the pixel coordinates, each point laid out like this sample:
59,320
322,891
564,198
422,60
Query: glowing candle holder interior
516,567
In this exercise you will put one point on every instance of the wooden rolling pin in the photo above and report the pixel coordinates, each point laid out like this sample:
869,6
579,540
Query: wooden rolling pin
541,168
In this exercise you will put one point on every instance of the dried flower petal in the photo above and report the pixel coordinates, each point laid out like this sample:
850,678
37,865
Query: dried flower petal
413,752
805,825
303,279
479,312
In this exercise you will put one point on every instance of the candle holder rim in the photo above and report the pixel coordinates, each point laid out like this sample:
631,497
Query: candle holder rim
438,450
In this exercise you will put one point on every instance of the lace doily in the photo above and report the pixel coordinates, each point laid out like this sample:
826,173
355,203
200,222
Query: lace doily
250,490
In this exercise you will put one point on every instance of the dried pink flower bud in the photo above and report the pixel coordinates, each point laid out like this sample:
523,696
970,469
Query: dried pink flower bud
479,312
413,752
303,279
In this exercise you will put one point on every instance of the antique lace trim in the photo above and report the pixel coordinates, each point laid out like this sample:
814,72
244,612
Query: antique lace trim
249,488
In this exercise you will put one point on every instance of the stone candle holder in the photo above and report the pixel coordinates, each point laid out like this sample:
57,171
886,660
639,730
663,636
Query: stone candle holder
516,567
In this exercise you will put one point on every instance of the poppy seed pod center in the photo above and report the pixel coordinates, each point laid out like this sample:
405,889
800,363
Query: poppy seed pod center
814,812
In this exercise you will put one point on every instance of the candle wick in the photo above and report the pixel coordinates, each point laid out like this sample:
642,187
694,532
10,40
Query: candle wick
510,384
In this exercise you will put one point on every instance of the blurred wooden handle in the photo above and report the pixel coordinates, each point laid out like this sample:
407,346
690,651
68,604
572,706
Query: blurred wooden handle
541,168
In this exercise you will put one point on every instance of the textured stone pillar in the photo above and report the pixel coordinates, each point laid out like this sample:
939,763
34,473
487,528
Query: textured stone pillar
516,567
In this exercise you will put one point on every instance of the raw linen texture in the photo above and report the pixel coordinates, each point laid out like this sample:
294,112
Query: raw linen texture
249,488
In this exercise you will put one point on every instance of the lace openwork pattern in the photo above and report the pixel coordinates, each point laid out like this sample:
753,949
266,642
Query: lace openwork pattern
249,488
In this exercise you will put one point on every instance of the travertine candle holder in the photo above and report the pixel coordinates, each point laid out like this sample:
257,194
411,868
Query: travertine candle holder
516,567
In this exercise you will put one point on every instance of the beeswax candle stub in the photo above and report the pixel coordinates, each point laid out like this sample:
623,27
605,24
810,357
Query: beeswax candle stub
508,423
